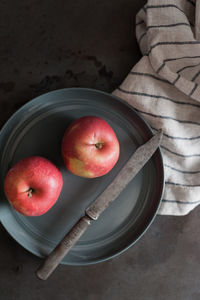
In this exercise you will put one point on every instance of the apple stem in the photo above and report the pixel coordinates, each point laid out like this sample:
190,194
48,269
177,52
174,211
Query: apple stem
30,192
99,145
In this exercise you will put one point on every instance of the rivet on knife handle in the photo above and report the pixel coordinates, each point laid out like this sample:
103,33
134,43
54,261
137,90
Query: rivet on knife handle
55,257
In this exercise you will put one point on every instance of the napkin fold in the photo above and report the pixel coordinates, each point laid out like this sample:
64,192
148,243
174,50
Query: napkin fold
164,87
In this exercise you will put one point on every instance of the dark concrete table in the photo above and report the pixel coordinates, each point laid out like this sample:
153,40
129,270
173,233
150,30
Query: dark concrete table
47,45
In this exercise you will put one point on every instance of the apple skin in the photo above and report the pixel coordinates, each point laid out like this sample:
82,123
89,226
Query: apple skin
90,147
33,185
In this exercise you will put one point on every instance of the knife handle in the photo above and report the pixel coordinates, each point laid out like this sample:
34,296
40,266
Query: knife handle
55,257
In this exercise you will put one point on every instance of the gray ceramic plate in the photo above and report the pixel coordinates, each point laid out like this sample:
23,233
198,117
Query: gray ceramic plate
37,129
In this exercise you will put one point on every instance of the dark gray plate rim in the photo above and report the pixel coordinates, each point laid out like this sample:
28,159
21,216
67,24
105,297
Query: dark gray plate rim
150,218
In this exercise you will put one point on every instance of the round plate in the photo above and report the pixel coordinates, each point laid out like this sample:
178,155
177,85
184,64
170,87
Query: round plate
37,129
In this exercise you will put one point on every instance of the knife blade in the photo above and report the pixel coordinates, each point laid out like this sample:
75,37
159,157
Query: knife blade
131,168
127,173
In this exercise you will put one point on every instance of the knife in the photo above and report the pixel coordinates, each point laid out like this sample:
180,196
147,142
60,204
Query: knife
125,175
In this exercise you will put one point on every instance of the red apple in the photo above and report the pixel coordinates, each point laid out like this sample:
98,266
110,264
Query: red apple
33,185
90,147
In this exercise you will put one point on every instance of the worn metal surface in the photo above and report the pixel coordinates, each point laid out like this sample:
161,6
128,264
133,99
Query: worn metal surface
47,45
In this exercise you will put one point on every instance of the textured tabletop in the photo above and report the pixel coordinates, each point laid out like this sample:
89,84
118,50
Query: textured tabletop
47,45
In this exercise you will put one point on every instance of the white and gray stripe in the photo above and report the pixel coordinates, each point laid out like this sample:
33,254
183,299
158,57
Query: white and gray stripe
164,88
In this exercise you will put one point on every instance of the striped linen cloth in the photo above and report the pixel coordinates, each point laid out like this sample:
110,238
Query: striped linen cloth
164,86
